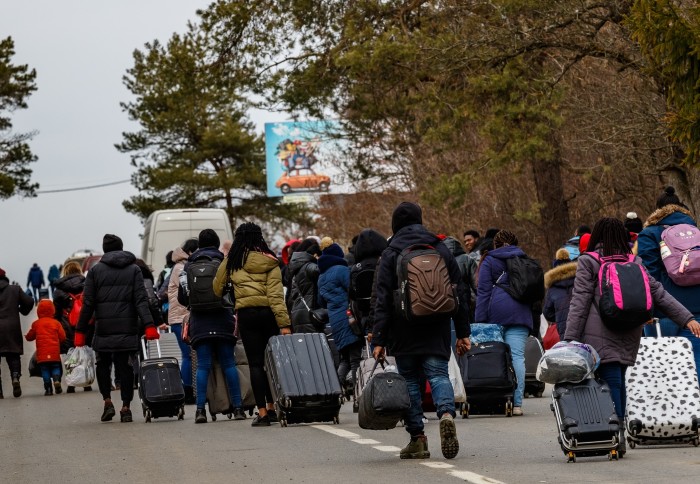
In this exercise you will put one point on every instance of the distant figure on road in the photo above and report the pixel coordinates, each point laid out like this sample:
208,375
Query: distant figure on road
48,334
13,301
116,296
35,280
54,274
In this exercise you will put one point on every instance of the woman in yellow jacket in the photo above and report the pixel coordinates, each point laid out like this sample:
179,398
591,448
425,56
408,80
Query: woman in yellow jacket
257,286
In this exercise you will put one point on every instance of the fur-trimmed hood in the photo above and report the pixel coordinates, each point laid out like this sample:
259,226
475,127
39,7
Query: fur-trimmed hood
657,216
560,273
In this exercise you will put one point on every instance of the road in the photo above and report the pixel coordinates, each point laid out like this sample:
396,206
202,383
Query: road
60,439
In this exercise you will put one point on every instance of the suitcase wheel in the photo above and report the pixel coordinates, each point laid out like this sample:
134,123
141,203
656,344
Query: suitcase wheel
283,422
539,394
613,455
148,416
229,415
213,417
572,457
181,413
355,407
509,408
696,441
336,420
465,410
631,443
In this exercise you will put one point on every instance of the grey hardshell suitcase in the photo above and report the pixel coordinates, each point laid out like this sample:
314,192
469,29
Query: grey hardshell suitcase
303,379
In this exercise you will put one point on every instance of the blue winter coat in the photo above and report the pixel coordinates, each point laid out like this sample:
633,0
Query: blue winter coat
333,284
493,303
648,249
35,277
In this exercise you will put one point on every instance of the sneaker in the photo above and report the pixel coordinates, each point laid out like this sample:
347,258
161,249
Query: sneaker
16,388
200,416
259,421
448,436
238,414
57,387
517,412
108,413
125,414
272,415
70,390
417,448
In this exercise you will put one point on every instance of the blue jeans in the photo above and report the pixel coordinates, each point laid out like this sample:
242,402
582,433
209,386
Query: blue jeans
186,365
516,338
435,370
669,328
224,353
50,370
614,375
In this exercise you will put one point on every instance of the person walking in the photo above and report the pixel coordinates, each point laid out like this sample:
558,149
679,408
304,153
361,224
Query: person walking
417,347
303,273
494,304
48,334
13,302
254,272
559,283
35,280
67,300
115,296
54,274
617,348
211,324
177,314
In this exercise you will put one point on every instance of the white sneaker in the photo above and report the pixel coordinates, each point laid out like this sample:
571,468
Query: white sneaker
517,412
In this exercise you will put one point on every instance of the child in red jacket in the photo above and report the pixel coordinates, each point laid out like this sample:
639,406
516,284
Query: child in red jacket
49,335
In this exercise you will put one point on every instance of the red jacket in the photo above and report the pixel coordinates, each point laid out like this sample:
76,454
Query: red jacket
48,333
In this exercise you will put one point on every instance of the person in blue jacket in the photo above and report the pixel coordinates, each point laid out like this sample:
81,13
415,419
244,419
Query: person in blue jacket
35,279
495,305
670,211
333,285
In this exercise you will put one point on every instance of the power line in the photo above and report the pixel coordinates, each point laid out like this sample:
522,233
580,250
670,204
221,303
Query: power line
75,189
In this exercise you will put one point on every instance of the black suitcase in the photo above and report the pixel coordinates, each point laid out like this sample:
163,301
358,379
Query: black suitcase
160,387
303,379
489,379
44,293
533,353
586,419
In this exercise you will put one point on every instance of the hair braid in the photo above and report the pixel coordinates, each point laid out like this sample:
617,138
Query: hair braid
504,237
248,238
611,235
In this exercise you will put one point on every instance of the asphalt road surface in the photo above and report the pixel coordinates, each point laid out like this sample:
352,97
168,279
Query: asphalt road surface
60,439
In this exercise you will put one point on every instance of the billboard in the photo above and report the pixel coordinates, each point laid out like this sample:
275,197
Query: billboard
304,159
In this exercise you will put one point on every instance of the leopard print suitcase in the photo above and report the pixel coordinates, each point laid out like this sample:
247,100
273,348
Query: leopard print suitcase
663,399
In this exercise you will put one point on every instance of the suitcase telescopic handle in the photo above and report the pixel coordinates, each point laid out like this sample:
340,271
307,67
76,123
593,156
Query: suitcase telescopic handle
145,350
658,327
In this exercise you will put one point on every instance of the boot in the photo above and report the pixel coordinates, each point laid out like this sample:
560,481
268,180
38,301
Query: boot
70,389
200,416
16,388
57,387
47,389
417,448
189,396
622,446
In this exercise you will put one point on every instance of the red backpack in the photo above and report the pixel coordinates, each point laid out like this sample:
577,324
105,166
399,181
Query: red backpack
74,311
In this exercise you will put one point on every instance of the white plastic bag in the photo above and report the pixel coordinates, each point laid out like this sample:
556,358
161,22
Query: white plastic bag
456,380
567,362
80,367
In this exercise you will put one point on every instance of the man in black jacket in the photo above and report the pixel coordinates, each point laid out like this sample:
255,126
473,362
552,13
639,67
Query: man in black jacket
422,346
116,296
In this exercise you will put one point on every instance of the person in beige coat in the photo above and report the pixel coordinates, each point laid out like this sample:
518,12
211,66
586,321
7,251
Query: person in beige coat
257,286
177,314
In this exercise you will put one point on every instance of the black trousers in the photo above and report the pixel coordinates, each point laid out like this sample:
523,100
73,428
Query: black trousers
122,361
256,326
13,362
350,359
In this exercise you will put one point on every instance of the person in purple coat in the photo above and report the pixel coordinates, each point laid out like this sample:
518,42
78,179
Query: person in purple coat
495,305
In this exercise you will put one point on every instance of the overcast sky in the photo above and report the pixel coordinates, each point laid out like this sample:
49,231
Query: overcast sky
80,50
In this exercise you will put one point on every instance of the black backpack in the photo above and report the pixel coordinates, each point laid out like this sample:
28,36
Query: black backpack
526,280
200,282
361,283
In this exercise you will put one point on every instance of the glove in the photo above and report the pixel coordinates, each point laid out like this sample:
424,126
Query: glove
152,333
79,339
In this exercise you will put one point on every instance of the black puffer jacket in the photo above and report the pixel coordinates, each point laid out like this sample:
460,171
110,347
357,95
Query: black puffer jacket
115,295
303,271
402,337
66,287
13,301
368,248
467,266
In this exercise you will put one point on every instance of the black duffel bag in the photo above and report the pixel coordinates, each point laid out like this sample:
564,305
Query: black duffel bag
384,400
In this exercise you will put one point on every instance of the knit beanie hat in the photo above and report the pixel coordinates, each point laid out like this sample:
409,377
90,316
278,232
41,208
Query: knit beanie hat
561,257
668,197
2,273
334,250
583,243
633,223
111,243
208,238
405,214
325,242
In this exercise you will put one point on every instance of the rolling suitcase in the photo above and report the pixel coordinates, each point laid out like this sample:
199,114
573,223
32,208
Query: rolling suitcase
489,379
44,293
169,347
302,378
586,418
244,378
533,353
160,386
218,397
663,400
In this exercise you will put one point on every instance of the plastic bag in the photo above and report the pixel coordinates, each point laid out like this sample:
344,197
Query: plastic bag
482,332
456,380
567,362
80,367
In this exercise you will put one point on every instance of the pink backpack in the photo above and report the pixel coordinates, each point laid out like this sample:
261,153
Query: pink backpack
680,251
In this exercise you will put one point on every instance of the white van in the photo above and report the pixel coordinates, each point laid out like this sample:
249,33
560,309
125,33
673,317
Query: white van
167,229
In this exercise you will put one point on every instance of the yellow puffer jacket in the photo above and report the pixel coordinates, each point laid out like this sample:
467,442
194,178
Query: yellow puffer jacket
258,284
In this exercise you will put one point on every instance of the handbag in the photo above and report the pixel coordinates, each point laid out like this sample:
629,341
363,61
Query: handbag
319,317
228,299
34,369
551,336
384,400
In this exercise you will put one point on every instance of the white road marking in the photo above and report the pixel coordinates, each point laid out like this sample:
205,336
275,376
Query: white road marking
438,465
366,441
387,448
337,431
473,477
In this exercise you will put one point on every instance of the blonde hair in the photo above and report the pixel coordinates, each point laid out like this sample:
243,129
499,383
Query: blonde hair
71,268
